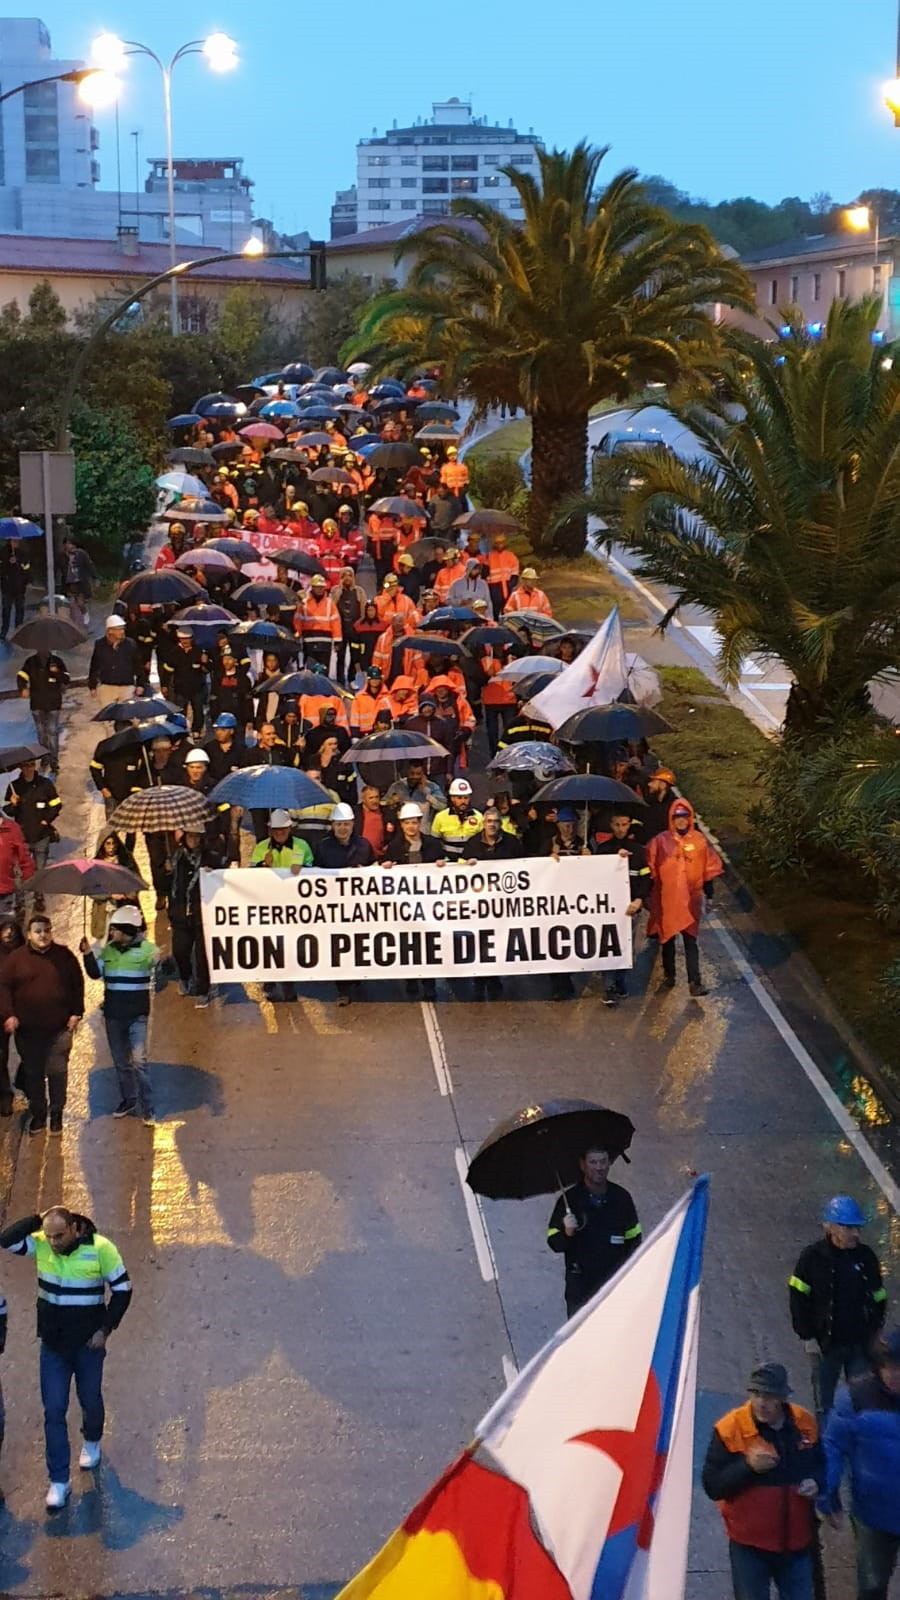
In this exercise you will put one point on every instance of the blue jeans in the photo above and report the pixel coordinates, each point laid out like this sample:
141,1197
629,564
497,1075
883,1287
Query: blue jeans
754,1571
127,1042
58,1368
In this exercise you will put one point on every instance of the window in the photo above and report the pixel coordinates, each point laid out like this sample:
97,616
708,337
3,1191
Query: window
41,133
378,183
407,205
409,161
464,163
435,186
378,161
435,208
521,161
463,185
795,289
817,285
408,183
435,163
773,291
490,161
841,284
491,181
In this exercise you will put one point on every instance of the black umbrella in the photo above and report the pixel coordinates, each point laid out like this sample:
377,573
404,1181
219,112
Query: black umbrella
316,413
141,733
228,450
265,636
436,433
188,457
238,549
537,1151
393,402
286,452
165,587
299,683
495,637
14,754
436,411
397,744
203,615
398,456
139,708
588,788
434,644
533,684
423,549
387,388
532,755
214,405
49,633
397,505
260,592
330,375
298,561
487,521
613,724
297,372
185,419
85,877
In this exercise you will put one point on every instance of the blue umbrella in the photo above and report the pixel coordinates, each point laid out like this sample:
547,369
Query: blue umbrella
445,617
363,446
187,419
19,528
265,788
279,408
265,636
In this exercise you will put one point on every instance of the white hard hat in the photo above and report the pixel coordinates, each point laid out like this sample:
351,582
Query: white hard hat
409,811
113,622
279,818
460,786
127,917
196,757
342,813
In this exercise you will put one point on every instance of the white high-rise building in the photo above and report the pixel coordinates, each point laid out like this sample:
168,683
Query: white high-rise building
417,171
47,139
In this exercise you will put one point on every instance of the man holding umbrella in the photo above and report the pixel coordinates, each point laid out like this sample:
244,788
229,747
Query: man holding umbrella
41,681
33,801
595,1226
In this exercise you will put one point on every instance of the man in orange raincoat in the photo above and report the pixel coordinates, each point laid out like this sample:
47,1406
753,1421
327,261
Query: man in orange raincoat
683,865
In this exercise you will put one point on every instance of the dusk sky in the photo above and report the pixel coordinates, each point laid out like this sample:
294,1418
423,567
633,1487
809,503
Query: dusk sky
785,102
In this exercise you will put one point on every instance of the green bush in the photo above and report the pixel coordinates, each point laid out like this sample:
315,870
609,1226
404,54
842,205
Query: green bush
496,481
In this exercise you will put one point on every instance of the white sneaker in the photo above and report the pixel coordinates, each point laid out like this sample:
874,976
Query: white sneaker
57,1495
90,1454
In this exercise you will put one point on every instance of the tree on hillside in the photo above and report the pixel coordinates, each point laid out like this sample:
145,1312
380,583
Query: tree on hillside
787,533
587,298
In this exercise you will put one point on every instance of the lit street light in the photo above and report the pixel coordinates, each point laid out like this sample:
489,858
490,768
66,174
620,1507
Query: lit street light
96,86
863,219
110,53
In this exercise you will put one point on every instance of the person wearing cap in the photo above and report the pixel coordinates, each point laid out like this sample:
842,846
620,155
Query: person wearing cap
129,965
452,571
409,577
459,822
281,847
116,671
182,675
683,865
416,788
391,654
455,474
410,846
350,601
660,793
862,1434
465,591
594,1226
393,602
765,1467
503,572
170,552
621,841
837,1299
317,621
526,596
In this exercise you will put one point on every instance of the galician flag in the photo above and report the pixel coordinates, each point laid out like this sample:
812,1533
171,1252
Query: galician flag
578,1484
594,678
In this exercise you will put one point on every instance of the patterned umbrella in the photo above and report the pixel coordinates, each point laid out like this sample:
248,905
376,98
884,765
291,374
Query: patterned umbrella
162,810
532,755
397,744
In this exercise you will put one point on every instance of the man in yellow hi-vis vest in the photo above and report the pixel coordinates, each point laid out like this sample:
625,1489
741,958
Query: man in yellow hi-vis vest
76,1266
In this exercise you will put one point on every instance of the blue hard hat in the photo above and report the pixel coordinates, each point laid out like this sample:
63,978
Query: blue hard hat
225,719
843,1210
566,814
178,722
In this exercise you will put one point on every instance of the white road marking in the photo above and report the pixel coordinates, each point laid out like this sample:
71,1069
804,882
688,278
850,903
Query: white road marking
510,1370
842,1117
436,1046
484,1250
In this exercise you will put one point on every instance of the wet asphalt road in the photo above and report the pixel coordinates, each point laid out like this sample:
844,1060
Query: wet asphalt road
312,1336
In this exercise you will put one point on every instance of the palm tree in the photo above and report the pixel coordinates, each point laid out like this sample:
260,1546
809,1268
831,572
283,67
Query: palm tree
588,298
788,533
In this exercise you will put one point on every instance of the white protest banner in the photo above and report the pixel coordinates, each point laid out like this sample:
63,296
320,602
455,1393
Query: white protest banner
521,916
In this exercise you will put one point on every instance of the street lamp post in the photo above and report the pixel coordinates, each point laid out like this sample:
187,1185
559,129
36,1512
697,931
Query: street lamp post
253,250
220,52
85,77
